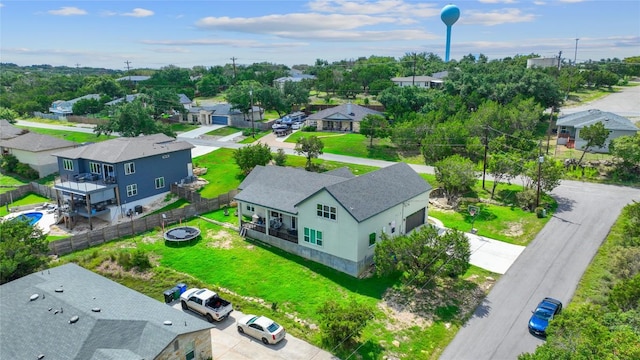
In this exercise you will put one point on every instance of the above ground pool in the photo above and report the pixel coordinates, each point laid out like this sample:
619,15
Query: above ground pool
32,217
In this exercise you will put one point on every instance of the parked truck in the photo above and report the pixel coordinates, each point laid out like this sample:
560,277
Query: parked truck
206,303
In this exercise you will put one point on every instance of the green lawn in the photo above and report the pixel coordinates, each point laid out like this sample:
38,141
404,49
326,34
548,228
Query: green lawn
291,285
357,145
222,174
224,131
70,135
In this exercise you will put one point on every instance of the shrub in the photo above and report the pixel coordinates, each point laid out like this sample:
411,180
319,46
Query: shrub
309,129
138,260
280,158
247,132
526,199
9,163
26,171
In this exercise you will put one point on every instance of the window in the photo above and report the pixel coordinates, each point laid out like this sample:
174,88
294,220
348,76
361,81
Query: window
326,211
250,208
159,182
94,168
132,190
372,239
67,164
313,236
129,168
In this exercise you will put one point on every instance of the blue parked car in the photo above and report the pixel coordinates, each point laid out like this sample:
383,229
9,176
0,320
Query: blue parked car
546,310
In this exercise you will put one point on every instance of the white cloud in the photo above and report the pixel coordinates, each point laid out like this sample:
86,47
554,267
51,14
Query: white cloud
360,36
67,11
496,17
139,12
380,7
572,1
235,43
498,1
292,22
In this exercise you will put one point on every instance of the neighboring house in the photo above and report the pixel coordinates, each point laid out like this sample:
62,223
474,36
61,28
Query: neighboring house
295,77
127,98
185,101
135,79
333,218
543,62
569,128
65,107
8,131
119,176
223,114
345,117
425,82
68,312
36,150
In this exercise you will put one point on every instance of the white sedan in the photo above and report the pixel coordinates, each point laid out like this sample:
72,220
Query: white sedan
262,328
297,125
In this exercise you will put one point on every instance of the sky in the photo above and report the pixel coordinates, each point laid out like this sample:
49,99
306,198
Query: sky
134,34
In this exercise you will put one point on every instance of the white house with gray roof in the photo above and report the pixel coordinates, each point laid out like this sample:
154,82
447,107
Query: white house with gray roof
345,117
569,128
65,107
36,150
68,312
334,218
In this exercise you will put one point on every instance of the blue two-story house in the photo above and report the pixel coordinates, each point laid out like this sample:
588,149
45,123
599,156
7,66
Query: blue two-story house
116,178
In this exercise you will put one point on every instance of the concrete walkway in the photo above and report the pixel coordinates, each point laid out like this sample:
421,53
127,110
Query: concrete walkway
489,254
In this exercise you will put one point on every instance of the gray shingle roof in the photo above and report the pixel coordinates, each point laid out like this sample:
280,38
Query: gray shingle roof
129,325
585,118
126,148
35,142
283,188
367,195
343,112
8,131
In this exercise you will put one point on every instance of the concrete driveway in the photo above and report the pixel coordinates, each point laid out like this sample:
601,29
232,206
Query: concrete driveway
228,344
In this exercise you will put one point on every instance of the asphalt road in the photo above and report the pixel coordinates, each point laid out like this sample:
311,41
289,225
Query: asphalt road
624,103
551,265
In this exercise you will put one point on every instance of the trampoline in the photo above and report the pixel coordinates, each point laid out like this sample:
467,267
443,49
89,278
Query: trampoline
181,234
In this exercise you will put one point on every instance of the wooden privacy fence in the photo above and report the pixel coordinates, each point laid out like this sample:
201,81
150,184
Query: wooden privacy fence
13,195
142,224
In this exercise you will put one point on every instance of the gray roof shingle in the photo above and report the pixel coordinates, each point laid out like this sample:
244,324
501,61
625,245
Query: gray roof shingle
344,112
126,148
283,188
129,325
585,118
35,142
370,194
8,131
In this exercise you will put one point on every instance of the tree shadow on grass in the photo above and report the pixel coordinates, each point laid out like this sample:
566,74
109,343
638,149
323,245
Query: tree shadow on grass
383,152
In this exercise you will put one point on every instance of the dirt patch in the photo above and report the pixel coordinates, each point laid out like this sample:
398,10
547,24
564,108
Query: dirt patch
114,269
515,229
451,300
221,239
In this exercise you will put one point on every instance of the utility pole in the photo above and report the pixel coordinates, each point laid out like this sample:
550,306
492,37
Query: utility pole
540,161
129,72
575,55
486,146
413,82
559,59
233,59
253,127
78,68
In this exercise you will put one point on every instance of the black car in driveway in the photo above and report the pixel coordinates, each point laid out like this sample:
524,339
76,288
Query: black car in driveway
546,310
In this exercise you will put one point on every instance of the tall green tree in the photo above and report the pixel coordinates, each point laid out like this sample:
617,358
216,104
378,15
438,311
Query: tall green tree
423,254
374,127
627,150
502,167
23,249
342,322
456,174
595,135
248,157
133,119
310,147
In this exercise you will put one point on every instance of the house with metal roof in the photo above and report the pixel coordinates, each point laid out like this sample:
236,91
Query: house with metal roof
36,150
333,218
569,128
118,177
345,117
421,81
68,312
65,107
135,79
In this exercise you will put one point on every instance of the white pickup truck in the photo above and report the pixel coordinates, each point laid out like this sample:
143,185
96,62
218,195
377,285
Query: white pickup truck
206,303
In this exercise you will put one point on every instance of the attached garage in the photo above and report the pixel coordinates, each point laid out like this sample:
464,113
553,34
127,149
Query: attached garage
416,219
219,120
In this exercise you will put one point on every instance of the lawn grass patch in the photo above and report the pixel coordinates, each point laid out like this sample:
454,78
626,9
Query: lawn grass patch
222,174
352,144
258,135
10,182
29,199
182,127
224,131
78,137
